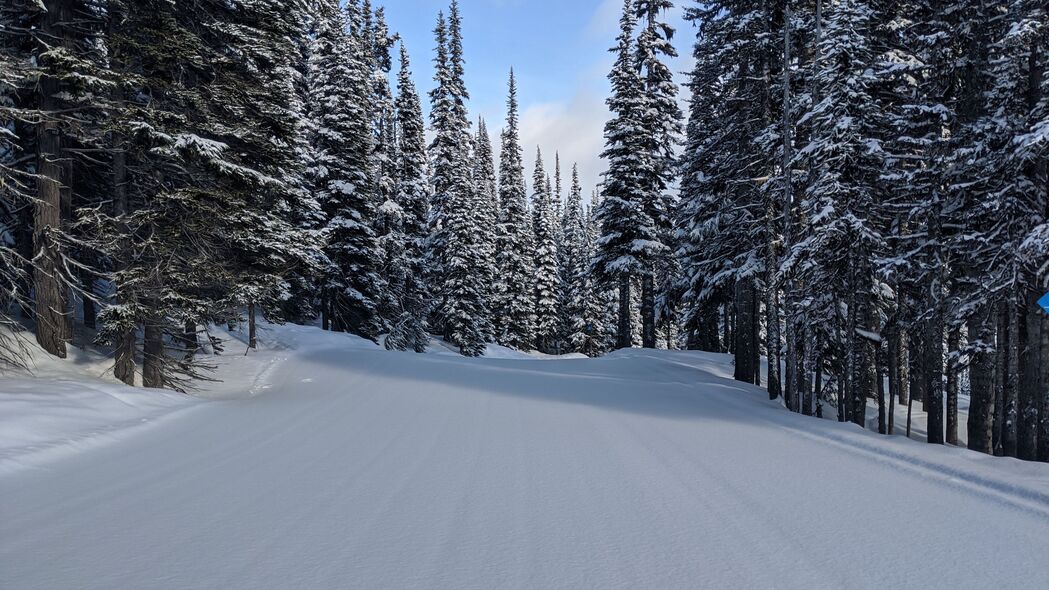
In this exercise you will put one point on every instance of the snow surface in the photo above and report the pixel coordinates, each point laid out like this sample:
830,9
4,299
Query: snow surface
327,462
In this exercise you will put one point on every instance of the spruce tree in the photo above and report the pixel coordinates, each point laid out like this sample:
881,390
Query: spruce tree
546,282
343,146
515,315
629,236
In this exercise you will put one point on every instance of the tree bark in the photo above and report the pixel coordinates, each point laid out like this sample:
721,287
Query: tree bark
744,333
153,356
625,332
47,209
953,344
648,311
981,381
1010,406
253,338
1031,385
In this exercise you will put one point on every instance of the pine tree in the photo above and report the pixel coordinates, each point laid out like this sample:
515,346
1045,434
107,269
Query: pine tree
547,325
456,251
412,198
486,212
629,236
514,306
344,145
661,121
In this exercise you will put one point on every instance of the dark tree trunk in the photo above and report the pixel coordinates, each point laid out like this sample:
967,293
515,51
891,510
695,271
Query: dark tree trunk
864,348
1012,383
755,336
253,338
953,344
625,331
892,368
1001,379
52,179
729,316
883,418
1031,392
648,311
772,344
153,356
903,367
934,378
981,381
745,344
801,395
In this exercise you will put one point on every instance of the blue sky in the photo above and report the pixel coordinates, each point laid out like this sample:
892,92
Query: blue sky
558,49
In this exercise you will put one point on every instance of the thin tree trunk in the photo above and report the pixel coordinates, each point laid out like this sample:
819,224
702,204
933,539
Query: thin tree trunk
1001,379
934,372
1030,387
903,367
1016,343
910,412
755,335
883,418
893,377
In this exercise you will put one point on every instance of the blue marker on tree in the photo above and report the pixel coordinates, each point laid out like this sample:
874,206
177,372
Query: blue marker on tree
1044,302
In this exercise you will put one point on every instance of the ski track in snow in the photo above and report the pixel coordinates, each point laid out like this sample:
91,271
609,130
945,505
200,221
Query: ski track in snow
350,467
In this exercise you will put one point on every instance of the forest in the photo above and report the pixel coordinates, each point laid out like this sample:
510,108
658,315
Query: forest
855,191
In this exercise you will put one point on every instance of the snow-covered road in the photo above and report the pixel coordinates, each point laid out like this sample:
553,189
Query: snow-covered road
366,469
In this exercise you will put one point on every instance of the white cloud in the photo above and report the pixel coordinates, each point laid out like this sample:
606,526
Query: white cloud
574,130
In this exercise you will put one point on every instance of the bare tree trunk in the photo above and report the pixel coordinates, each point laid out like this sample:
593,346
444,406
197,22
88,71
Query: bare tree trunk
1030,388
981,381
648,311
47,209
744,333
1001,379
893,368
883,418
755,335
903,366
772,344
153,356
1012,385
953,344
253,338
934,372
124,356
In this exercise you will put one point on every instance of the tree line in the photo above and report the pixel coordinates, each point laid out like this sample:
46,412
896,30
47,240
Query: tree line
857,192
864,201
170,166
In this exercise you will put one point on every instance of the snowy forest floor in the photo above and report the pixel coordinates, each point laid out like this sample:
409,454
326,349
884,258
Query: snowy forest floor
323,461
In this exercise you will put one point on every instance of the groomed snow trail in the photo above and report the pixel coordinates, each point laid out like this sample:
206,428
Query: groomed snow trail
359,468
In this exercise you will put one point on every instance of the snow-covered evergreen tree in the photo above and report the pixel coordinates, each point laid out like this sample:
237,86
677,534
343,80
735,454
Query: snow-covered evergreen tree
514,307
456,251
486,212
662,130
629,238
547,280
408,216
343,172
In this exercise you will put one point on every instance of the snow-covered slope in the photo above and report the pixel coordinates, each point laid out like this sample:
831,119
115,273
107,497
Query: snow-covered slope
351,467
